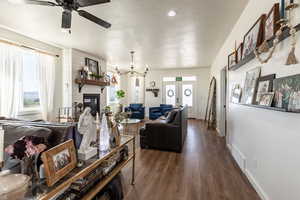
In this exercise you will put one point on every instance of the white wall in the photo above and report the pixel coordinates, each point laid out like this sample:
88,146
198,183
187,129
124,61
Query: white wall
265,143
24,40
201,87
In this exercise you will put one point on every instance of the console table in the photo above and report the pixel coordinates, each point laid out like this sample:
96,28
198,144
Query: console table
89,166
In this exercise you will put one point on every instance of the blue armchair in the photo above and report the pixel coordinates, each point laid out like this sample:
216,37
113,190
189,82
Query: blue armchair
137,110
156,112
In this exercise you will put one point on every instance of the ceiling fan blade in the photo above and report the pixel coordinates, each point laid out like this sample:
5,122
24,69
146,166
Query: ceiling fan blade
41,3
94,19
84,3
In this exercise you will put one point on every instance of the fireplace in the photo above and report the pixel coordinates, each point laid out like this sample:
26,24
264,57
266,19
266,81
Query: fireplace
92,101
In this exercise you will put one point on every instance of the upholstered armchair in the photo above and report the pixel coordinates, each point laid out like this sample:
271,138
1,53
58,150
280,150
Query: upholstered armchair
156,112
137,110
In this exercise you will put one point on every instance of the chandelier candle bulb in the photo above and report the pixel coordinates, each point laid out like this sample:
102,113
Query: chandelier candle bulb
1,144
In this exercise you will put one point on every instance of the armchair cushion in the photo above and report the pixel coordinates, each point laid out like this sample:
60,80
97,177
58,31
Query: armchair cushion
138,111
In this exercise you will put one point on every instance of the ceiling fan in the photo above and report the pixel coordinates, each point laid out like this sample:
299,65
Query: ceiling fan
73,5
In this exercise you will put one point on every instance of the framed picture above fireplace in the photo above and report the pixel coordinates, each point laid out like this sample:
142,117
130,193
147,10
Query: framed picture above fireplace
93,66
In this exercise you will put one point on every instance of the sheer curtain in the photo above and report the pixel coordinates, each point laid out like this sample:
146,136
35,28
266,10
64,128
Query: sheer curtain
11,62
46,78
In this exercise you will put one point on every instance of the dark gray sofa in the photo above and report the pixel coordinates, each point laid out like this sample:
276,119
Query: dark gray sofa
162,135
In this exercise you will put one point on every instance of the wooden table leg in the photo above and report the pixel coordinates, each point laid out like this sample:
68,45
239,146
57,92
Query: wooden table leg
133,162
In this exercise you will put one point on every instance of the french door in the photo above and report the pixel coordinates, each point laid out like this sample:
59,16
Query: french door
180,93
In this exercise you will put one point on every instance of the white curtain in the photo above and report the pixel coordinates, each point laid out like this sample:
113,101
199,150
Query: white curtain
11,61
46,78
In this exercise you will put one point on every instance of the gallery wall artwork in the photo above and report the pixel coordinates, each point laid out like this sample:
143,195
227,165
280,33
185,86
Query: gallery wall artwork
239,53
287,93
266,99
265,84
271,25
249,90
236,93
254,37
232,60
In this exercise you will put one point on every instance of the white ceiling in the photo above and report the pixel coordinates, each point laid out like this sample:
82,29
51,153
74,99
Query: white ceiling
190,39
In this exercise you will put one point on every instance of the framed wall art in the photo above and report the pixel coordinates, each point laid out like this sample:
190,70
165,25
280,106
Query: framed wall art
239,53
249,90
265,84
287,93
59,161
271,25
236,93
266,99
232,60
254,37
93,66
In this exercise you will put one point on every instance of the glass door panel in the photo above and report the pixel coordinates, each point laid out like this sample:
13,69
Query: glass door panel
170,94
187,94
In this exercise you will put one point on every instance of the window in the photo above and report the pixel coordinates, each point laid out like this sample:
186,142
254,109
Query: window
171,94
189,78
112,89
169,79
31,99
187,94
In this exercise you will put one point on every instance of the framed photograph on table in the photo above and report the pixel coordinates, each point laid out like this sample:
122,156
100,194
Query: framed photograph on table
254,37
93,66
266,99
59,161
232,60
265,84
249,90
287,93
271,25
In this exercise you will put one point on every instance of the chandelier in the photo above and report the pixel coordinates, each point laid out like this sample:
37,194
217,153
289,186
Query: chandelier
132,72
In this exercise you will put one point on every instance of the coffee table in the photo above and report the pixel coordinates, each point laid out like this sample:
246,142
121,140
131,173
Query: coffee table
131,126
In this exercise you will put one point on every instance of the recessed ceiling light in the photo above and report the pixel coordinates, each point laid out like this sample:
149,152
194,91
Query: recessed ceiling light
171,13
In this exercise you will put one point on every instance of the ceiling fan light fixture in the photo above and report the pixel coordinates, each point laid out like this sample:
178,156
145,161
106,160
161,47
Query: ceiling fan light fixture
172,13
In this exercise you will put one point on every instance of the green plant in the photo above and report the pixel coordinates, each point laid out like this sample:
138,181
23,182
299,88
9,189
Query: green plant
120,94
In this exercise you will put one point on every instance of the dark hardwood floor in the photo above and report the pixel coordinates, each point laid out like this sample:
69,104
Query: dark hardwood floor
203,171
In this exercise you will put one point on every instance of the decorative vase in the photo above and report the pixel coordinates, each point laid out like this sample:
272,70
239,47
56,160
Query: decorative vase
104,135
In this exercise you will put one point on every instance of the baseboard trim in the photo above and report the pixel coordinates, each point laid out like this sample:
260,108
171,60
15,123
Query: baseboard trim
256,186
234,151
239,157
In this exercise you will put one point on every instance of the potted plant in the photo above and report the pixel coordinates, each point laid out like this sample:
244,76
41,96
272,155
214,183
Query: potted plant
120,94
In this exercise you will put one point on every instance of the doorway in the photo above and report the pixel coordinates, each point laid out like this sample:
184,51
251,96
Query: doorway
181,92
223,102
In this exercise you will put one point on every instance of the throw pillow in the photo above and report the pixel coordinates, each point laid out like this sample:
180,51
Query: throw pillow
171,116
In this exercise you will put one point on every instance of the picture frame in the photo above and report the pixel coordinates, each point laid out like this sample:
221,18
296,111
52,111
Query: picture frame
254,37
93,66
266,99
271,26
236,93
249,91
239,53
232,60
264,85
59,161
287,93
